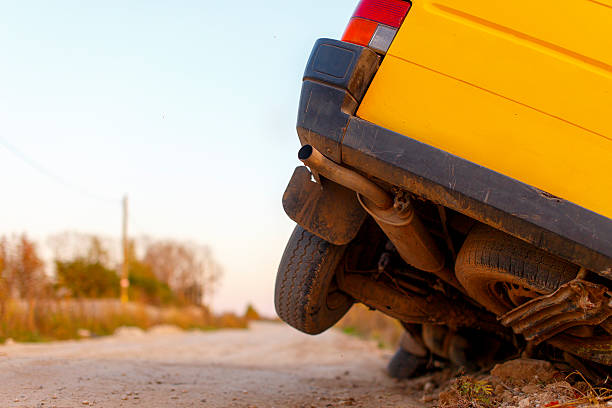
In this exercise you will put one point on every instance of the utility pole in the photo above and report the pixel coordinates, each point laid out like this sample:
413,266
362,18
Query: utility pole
125,282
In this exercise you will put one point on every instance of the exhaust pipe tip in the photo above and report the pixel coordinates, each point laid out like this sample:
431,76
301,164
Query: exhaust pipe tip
320,164
305,152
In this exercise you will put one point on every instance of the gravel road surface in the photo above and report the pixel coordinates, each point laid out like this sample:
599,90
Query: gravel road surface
269,365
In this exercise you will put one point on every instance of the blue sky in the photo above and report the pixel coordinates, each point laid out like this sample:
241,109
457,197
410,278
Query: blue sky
187,106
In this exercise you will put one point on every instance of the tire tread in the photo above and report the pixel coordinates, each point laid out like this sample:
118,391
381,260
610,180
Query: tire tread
488,253
298,292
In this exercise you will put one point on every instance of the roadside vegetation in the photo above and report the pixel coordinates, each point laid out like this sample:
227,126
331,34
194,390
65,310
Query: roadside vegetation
76,293
371,325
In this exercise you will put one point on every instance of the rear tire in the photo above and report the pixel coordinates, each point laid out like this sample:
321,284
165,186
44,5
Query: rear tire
306,294
501,272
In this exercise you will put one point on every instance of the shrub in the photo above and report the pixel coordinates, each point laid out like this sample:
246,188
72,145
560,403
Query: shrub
145,287
251,313
85,279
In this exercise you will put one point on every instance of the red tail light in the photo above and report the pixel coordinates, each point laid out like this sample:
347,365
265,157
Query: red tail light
375,23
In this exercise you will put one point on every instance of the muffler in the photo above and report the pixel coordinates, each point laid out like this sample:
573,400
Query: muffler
396,218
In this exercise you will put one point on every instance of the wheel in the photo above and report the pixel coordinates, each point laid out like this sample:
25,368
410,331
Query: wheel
501,272
306,294
405,365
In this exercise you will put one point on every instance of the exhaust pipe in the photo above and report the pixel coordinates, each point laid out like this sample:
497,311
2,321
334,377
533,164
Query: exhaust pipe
320,164
397,219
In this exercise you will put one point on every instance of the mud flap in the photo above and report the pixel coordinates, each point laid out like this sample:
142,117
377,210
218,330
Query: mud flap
327,210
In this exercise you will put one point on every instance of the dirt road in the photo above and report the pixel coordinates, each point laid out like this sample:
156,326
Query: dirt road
269,365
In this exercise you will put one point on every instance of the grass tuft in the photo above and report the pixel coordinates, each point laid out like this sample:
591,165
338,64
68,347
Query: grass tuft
467,392
595,397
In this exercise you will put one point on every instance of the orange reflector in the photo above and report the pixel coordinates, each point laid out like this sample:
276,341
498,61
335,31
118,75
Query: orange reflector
359,31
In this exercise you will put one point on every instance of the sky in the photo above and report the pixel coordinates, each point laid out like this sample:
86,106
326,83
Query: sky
188,107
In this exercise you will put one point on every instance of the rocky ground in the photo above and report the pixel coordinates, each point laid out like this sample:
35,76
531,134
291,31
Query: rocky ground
519,383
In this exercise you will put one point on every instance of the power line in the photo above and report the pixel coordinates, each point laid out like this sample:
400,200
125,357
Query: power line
58,179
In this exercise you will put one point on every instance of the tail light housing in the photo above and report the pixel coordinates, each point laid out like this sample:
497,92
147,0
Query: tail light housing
375,23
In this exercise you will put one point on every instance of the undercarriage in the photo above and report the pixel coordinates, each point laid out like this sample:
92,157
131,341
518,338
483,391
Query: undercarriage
426,265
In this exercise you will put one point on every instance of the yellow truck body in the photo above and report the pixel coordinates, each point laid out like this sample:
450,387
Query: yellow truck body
524,89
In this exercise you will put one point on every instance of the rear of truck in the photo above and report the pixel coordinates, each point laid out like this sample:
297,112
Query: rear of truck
523,89
494,121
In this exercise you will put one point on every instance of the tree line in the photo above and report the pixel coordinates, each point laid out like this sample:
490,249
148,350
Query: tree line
161,272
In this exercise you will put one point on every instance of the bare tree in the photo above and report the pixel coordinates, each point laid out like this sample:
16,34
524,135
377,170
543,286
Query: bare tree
23,273
189,269
3,283
25,269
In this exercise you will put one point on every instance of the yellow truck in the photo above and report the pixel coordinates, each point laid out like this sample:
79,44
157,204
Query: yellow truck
458,175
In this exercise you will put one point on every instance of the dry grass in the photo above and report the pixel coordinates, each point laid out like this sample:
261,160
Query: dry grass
589,396
488,391
69,319
370,324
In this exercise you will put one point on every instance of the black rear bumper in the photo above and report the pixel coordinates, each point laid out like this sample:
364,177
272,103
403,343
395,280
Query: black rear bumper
336,78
